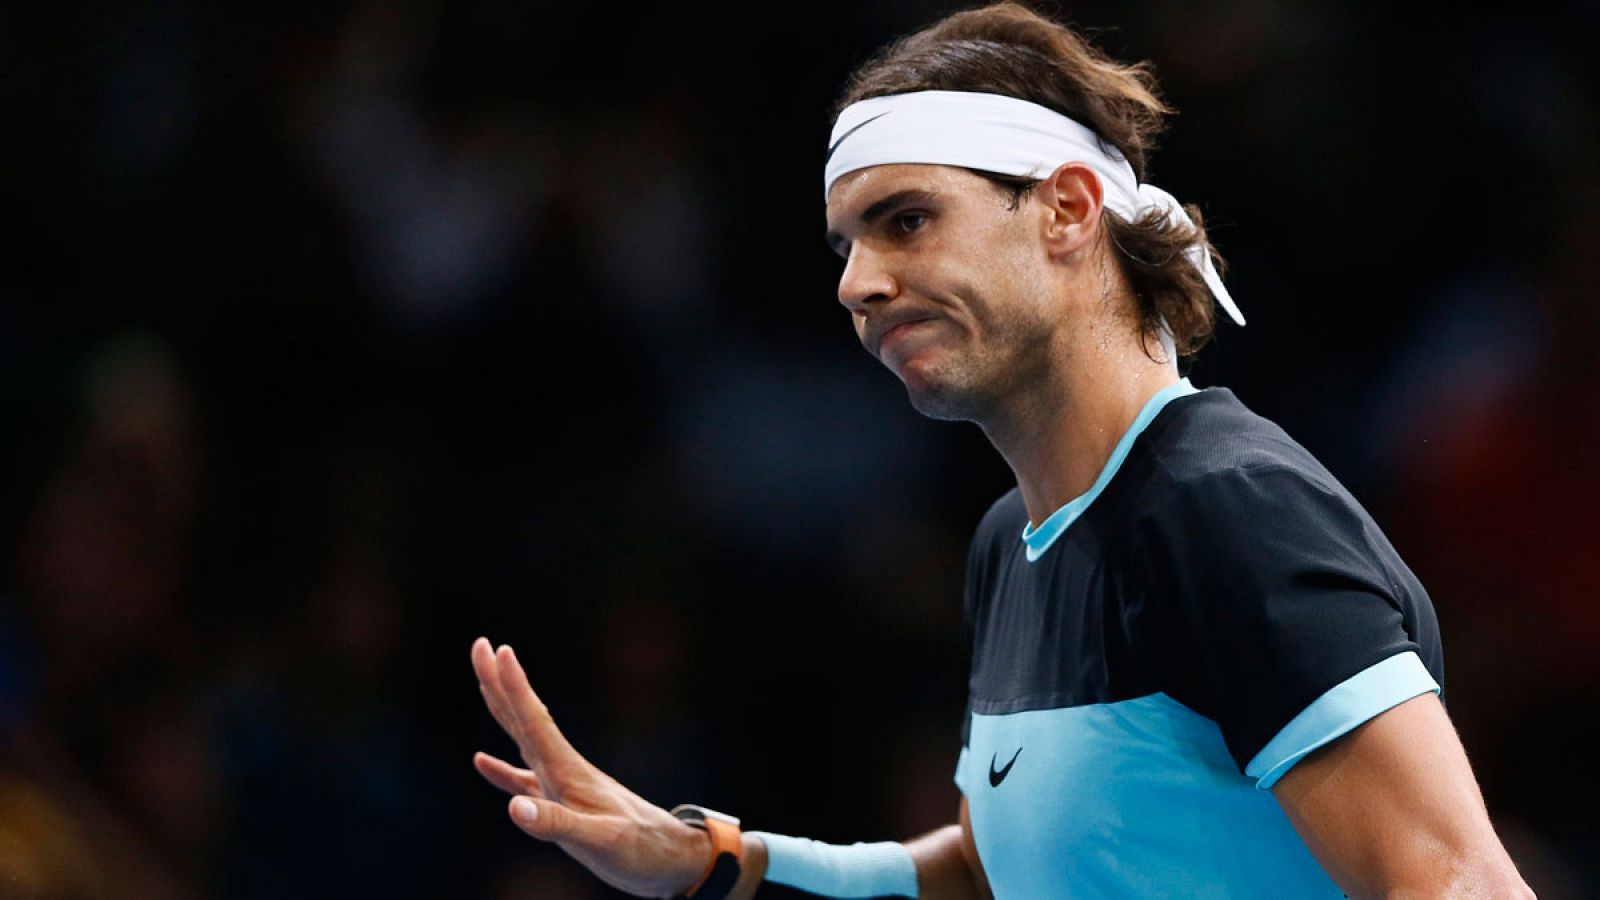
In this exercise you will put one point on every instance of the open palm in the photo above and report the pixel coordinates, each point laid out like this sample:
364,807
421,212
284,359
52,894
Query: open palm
561,797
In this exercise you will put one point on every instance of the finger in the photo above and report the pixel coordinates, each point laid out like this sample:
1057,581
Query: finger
488,672
507,777
550,821
498,710
484,663
541,741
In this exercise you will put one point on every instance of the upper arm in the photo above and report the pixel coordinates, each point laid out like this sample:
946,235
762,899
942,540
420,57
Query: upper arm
947,863
969,852
1268,588
1392,809
1294,625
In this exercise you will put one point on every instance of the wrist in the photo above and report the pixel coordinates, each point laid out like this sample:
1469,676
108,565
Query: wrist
696,855
721,872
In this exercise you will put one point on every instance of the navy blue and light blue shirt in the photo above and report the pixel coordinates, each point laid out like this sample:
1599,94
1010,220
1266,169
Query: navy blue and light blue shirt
1160,651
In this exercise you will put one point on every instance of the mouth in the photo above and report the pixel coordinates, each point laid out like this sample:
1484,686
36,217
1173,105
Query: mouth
897,332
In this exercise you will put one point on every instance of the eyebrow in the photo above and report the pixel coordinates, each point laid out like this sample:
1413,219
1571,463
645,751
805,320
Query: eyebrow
876,211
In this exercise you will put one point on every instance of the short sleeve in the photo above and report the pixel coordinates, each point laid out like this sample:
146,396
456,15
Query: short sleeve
1273,601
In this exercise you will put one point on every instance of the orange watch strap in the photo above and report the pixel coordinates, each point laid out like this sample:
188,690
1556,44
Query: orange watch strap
726,837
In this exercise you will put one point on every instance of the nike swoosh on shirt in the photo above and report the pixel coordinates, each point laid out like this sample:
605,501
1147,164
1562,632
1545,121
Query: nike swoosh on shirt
996,777
853,131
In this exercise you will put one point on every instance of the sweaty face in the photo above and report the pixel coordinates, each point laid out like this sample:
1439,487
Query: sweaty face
945,283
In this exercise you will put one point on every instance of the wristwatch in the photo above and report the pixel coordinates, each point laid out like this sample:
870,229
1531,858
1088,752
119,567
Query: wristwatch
723,871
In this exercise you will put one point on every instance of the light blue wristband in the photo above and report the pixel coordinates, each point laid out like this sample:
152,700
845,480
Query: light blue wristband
832,870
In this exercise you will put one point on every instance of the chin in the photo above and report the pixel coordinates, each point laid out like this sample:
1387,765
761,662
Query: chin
941,407
940,398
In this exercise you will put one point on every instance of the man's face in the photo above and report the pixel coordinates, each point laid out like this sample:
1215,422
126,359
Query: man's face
946,284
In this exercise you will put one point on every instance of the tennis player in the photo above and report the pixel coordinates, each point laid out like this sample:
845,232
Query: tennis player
1199,668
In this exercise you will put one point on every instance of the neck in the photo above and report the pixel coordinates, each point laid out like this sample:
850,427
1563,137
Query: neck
1058,433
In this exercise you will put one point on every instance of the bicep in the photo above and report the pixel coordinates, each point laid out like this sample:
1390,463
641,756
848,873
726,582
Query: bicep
1393,805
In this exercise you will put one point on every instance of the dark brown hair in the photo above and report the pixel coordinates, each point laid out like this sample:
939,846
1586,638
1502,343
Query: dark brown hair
1009,49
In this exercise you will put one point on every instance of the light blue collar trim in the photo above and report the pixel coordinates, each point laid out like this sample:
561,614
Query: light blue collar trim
1039,541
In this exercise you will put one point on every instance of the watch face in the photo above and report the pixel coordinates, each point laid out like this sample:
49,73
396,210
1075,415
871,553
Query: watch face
697,815
720,817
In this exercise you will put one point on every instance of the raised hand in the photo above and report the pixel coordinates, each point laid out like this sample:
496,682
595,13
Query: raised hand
561,797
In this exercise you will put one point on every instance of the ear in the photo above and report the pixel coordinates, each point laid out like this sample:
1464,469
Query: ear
1072,198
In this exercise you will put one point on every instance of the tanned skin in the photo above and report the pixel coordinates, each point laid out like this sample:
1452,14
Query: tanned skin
1013,315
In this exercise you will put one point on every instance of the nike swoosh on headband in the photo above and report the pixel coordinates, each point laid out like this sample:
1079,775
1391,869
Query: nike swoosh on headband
850,132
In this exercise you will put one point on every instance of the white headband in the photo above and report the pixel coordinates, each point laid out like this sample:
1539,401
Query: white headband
999,134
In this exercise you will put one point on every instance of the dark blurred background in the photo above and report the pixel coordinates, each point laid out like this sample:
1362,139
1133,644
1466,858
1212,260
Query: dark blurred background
334,335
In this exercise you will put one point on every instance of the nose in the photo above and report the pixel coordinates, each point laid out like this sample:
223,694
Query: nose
865,280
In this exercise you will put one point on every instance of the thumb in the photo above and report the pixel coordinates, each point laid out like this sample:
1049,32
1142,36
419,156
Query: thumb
550,821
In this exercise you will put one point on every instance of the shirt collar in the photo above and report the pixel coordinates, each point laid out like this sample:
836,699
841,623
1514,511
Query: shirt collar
1039,540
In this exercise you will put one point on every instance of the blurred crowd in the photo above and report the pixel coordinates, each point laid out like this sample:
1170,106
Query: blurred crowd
333,335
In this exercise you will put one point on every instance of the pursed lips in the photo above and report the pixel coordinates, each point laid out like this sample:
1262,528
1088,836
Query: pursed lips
877,336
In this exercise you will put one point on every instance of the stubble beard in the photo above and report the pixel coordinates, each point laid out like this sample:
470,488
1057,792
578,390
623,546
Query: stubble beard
979,384
950,396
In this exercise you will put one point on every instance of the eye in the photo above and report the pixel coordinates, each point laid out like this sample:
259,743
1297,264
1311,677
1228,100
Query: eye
908,222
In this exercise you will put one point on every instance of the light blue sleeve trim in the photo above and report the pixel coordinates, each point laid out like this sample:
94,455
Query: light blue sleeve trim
859,870
1038,541
1375,689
